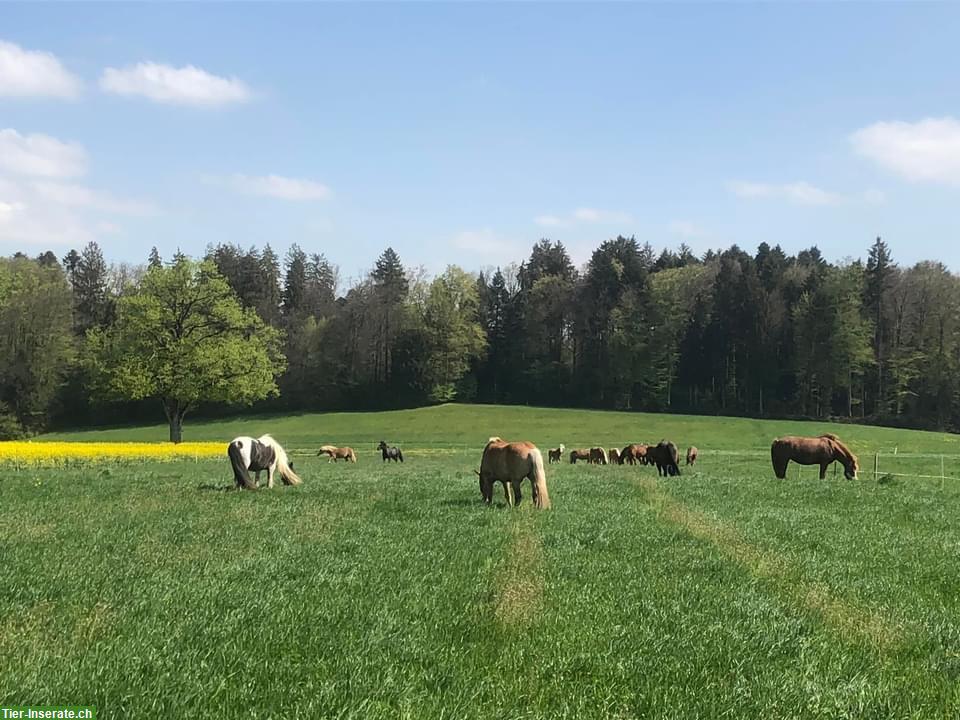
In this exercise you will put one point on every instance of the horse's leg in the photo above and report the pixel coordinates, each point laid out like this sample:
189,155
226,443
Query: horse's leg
508,492
256,479
517,494
823,470
486,490
270,476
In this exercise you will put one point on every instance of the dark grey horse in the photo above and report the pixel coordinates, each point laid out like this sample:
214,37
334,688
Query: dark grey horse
390,453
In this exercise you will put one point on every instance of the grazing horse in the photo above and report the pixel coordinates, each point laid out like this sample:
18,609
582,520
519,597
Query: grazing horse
249,454
666,456
821,451
509,463
338,453
555,454
614,456
390,453
692,453
581,454
598,456
633,454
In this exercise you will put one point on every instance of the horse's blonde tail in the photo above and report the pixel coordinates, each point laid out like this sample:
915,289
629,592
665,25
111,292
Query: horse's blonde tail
286,472
353,455
539,480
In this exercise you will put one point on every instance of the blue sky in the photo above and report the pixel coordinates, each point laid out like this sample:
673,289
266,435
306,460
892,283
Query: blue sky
462,133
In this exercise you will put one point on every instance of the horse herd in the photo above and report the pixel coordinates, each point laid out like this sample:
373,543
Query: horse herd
510,463
664,455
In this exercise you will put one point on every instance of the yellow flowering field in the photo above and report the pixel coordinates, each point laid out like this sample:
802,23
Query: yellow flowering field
52,454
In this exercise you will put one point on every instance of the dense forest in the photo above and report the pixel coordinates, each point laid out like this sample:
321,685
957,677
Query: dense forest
766,335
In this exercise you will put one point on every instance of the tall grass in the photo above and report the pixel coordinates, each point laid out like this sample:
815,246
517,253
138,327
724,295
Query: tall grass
383,591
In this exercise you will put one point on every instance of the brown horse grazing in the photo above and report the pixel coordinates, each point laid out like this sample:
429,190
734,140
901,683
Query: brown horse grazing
555,454
692,453
509,463
581,454
633,454
614,456
338,453
666,456
598,456
821,451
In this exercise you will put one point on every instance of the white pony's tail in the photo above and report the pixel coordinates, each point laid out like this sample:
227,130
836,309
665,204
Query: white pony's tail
287,474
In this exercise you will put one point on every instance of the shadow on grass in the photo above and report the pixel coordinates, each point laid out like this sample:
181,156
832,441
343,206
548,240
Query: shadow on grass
210,487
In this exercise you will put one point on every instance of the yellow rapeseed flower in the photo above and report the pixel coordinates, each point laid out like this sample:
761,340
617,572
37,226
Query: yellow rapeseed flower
52,454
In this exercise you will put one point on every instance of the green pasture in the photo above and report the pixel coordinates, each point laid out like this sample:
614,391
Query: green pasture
390,591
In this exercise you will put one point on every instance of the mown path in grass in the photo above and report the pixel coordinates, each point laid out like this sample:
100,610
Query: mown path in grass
390,591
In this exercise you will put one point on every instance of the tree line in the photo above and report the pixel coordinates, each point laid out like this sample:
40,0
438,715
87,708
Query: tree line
766,335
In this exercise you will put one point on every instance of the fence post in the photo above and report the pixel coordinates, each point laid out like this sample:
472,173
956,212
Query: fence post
876,466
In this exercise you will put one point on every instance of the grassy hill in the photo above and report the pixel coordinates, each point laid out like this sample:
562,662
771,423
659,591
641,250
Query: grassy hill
470,425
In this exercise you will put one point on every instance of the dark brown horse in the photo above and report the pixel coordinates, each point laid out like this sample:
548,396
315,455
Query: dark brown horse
633,454
614,456
554,454
598,456
692,453
666,456
581,454
821,450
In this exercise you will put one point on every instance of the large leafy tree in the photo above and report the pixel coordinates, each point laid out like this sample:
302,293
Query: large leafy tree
184,339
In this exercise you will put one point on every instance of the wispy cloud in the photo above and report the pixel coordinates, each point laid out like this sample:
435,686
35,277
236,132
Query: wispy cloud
38,207
80,196
186,85
799,193
486,242
275,186
548,221
32,73
686,229
40,155
924,151
584,215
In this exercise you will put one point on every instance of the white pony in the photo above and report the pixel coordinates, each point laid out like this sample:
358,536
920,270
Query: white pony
257,454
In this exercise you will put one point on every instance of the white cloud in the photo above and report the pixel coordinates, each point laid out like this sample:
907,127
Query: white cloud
39,208
73,195
583,215
600,216
927,150
799,193
485,242
549,221
40,155
187,85
686,229
275,186
31,73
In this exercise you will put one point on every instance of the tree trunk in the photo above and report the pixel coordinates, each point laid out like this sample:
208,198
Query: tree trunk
175,412
176,428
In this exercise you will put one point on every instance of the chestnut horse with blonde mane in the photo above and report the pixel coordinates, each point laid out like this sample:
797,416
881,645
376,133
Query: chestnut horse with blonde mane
338,453
633,454
509,463
821,450
580,454
598,456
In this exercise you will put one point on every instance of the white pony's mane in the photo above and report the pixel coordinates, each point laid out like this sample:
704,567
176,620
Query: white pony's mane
270,442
